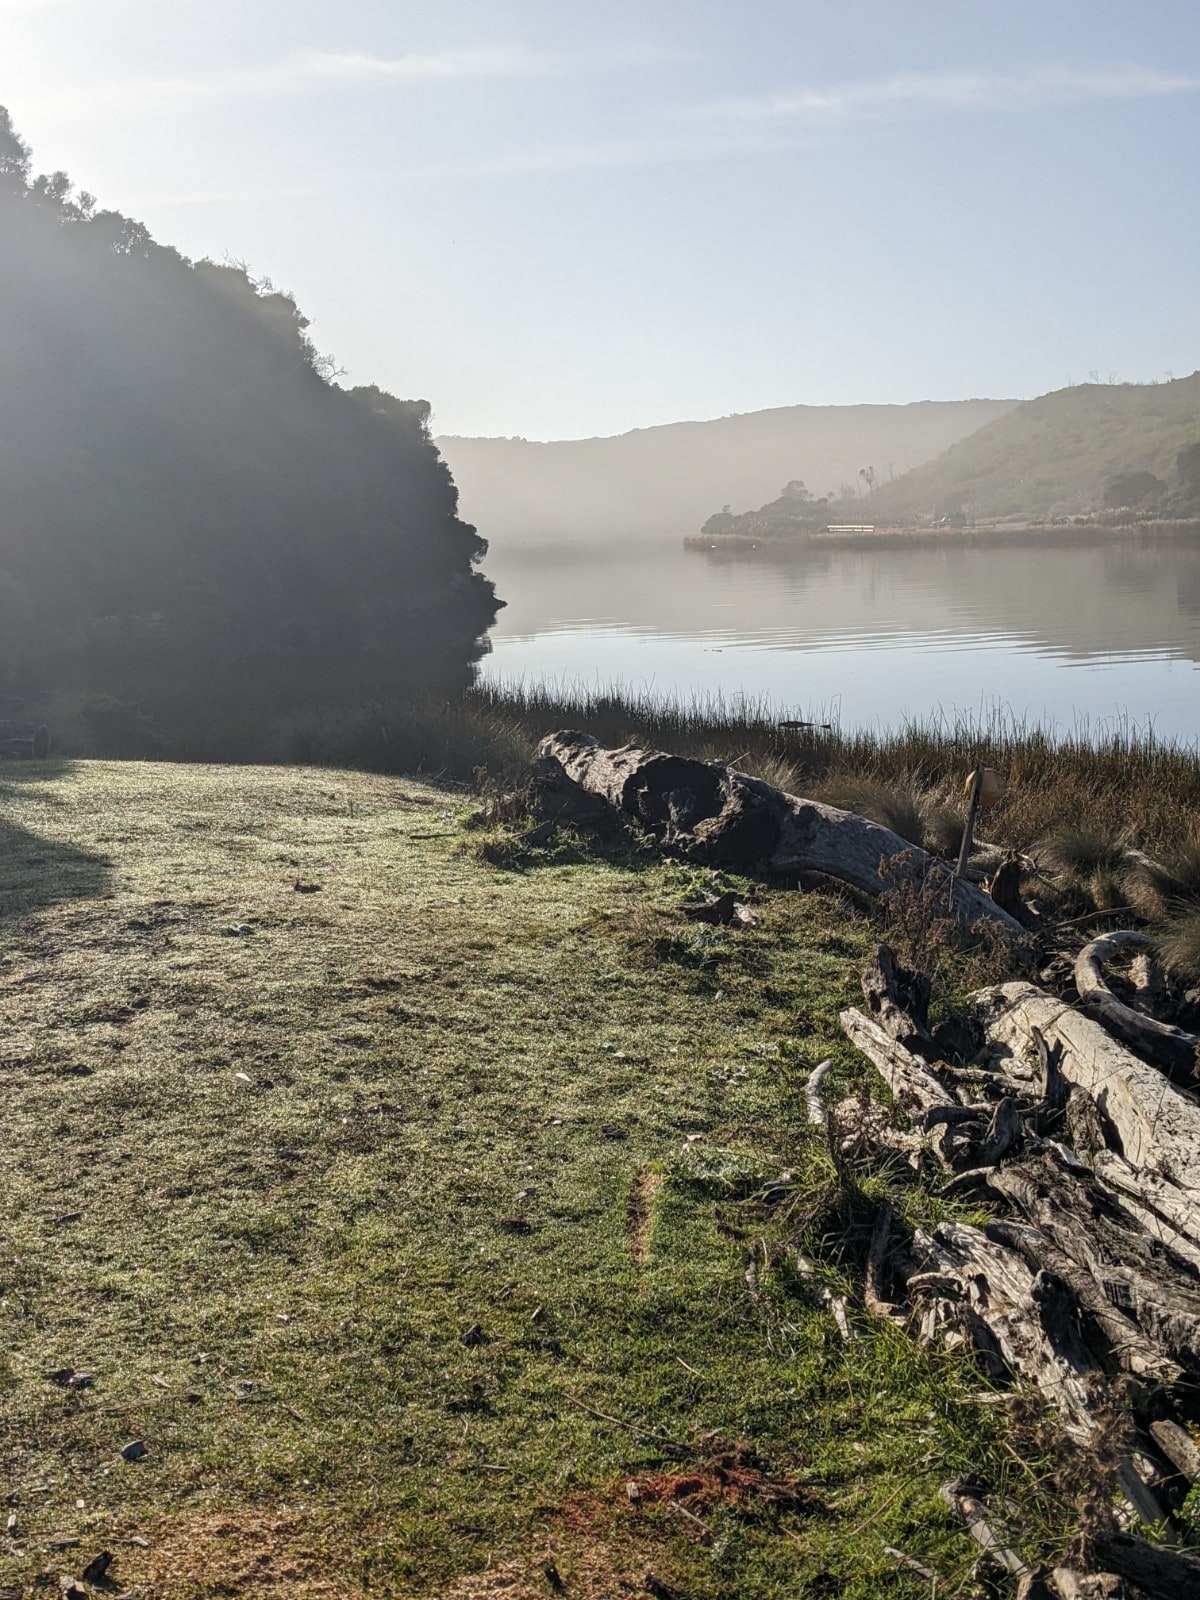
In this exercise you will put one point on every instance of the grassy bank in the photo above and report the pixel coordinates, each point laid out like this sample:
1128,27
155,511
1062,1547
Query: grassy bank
1121,780
402,1207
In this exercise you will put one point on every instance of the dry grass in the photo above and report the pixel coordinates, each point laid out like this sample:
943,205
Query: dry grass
1125,782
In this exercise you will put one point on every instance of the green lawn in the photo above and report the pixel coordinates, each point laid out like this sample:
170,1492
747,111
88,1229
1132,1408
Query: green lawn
397,1202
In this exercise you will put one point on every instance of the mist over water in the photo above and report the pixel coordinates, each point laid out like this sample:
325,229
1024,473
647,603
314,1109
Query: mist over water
1099,630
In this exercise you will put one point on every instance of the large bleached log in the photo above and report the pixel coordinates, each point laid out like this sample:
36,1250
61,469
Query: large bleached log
1155,1124
1171,1048
1165,1211
1092,1235
1107,1330
713,814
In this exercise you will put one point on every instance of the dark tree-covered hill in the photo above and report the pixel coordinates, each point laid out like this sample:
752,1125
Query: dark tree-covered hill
189,508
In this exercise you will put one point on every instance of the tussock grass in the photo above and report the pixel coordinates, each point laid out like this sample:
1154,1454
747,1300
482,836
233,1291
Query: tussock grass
1179,941
1169,884
298,1094
1120,780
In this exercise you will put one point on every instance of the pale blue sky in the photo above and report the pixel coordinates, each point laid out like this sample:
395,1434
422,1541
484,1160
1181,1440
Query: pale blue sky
556,219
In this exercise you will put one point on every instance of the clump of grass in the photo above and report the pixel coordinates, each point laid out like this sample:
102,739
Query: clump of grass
906,806
1178,936
1160,887
897,806
1089,858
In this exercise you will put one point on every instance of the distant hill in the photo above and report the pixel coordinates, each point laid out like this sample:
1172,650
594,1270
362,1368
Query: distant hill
1052,456
662,483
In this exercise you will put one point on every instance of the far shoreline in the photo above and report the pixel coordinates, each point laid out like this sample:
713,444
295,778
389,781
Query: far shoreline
892,534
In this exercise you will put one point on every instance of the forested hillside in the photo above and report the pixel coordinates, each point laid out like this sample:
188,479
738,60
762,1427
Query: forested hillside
1060,454
191,513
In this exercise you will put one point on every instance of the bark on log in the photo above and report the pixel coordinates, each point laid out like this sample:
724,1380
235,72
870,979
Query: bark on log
1179,1447
1022,1311
1163,1210
1173,1049
898,1000
1163,1574
1107,1330
1155,1124
1089,1226
911,1081
711,813
875,1295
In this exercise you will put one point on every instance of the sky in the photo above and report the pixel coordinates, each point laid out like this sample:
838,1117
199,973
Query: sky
555,220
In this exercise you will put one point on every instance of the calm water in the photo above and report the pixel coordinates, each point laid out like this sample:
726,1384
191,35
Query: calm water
1092,630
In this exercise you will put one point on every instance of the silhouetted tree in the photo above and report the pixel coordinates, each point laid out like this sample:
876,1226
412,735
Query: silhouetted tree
190,511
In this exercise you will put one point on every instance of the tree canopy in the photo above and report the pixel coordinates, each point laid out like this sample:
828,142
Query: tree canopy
1133,489
188,504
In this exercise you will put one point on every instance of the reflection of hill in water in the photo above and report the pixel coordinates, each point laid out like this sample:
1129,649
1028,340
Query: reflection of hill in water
1072,597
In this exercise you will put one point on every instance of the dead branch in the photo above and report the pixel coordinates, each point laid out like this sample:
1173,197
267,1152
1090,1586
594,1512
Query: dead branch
1171,1048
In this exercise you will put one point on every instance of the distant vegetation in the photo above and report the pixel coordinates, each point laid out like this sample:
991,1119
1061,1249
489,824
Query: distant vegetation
1102,451
660,483
200,532
1078,451
794,514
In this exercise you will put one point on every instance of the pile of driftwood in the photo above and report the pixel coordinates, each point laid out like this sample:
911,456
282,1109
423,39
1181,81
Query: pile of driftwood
1068,1111
1086,1282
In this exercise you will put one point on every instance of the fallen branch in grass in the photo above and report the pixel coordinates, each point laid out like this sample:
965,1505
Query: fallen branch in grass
1171,1048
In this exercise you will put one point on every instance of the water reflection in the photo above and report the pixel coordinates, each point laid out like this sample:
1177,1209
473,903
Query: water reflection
1059,629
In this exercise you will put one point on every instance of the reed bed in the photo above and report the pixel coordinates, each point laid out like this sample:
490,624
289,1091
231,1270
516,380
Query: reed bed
1120,779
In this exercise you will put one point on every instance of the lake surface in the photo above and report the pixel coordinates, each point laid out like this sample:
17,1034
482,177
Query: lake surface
1067,631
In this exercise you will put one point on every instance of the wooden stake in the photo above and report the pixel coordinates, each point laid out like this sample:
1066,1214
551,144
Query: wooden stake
968,838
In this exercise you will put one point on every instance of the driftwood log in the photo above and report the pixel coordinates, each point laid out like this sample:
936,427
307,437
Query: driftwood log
1174,1049
715,815
1153,1125
1005,1309
1164,1574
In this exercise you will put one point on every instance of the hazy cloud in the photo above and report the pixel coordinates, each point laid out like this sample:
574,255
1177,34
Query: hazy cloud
307,72
916,92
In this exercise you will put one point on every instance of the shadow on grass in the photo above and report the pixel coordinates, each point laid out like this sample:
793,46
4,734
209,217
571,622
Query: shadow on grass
36,872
